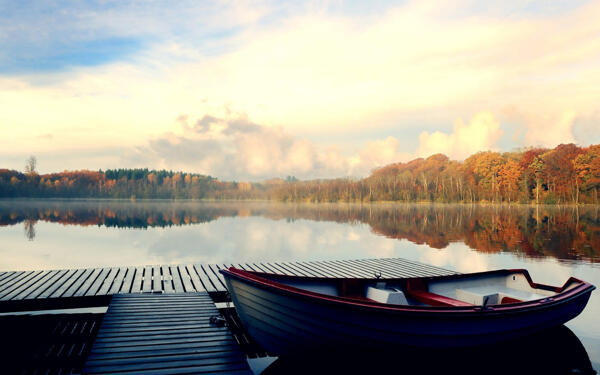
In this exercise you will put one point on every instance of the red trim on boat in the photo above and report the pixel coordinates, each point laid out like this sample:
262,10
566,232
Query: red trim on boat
416,289
544,286
507,299
433,299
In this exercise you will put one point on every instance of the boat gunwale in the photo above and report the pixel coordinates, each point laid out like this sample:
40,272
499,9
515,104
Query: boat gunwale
562,295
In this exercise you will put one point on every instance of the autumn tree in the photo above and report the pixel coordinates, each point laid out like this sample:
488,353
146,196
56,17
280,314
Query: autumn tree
485,168
587,169
559,172
508,179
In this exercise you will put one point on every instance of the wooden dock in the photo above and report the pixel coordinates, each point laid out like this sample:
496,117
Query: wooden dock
164,334
59,289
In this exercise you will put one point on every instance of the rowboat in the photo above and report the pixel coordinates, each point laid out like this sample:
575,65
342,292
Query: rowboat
294,314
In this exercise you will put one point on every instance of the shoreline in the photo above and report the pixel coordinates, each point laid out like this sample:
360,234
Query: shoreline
100,199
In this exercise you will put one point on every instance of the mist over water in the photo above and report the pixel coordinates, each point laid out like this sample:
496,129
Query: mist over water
553,243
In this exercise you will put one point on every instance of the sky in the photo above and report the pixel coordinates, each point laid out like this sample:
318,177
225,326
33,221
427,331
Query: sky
254,90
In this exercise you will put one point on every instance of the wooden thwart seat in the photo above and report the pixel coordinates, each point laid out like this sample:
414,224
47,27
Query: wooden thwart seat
415,289
433,299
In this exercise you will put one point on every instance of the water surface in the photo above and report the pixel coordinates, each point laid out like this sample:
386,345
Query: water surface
553,243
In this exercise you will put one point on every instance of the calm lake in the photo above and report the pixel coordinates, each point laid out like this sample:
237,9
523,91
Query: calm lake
553,243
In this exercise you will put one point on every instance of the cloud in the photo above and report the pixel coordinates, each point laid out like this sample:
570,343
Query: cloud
480,134
235,148
378,153
542,129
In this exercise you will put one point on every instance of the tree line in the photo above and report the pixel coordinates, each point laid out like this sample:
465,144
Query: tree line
562,175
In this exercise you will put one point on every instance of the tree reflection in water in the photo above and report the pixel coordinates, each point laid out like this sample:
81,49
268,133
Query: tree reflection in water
563,232
29,228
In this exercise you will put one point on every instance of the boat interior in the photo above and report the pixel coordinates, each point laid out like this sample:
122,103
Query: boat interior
484,289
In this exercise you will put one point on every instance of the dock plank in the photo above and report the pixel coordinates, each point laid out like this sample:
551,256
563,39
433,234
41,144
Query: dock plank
311,270
206,281
212,271
358,271
85,286
244,267
5,275
339,269
400,269
39,284
258,268
25,287
422,267
176,346
127,281
389,271
324,270
104,281
195,279
157,285
72,283
12,279
215,268
147,280
167,280
78,282
292,270
118,281
375,268
59,278
189,347
270,269
304,269
139,280
18,281
185,278
23,283
9,281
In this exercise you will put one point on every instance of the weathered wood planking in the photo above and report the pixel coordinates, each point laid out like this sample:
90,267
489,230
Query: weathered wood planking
163,334
173,279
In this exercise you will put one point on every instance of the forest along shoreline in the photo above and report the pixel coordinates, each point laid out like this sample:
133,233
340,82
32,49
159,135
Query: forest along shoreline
567,174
